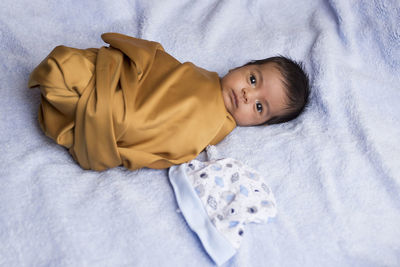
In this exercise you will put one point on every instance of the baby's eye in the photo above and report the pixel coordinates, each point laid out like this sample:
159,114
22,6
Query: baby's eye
259,107
252,80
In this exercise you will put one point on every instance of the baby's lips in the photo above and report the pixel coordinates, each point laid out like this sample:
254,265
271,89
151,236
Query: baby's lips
234,99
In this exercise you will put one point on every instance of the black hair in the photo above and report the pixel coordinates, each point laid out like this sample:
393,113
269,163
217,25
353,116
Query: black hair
296,83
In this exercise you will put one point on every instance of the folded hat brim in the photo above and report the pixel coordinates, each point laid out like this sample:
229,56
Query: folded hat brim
216,245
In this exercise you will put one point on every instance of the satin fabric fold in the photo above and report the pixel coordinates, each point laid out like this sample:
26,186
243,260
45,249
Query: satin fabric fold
130,103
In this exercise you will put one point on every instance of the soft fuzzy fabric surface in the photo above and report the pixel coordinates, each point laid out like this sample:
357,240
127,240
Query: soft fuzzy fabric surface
335,171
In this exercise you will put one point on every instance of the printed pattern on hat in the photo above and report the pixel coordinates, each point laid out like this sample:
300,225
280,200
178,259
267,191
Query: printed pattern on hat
233,195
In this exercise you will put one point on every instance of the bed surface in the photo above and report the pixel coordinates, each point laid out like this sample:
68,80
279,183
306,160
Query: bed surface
334,171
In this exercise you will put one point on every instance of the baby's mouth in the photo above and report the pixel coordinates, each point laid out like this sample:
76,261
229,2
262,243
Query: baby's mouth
234,99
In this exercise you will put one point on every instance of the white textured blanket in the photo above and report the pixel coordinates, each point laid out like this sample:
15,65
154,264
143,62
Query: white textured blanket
335,171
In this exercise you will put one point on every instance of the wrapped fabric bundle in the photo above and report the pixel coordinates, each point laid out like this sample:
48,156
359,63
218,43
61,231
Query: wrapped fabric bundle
130,103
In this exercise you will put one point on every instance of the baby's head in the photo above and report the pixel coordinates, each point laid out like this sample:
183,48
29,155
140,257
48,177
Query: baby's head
267,91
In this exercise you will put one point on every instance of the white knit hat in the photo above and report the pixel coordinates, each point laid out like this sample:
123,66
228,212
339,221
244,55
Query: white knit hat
217,198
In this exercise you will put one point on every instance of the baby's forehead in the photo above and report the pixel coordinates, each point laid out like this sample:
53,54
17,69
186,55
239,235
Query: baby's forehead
263,66
267,70
271,71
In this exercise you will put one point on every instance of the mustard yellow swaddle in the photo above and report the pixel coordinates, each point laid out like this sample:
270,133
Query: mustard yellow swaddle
130,103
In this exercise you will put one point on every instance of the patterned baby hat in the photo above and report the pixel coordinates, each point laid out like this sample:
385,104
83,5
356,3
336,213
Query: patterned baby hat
218,198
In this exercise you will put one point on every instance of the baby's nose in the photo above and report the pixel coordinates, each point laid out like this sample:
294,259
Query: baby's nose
247,95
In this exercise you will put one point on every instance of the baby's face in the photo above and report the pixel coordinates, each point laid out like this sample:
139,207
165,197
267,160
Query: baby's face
253,94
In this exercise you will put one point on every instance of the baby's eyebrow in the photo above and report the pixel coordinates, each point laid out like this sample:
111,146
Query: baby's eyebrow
259,74
268,107
260,84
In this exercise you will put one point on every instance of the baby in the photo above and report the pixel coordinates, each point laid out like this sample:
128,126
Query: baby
133,104
268,91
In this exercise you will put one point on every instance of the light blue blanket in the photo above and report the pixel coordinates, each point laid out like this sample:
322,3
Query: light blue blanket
335,171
